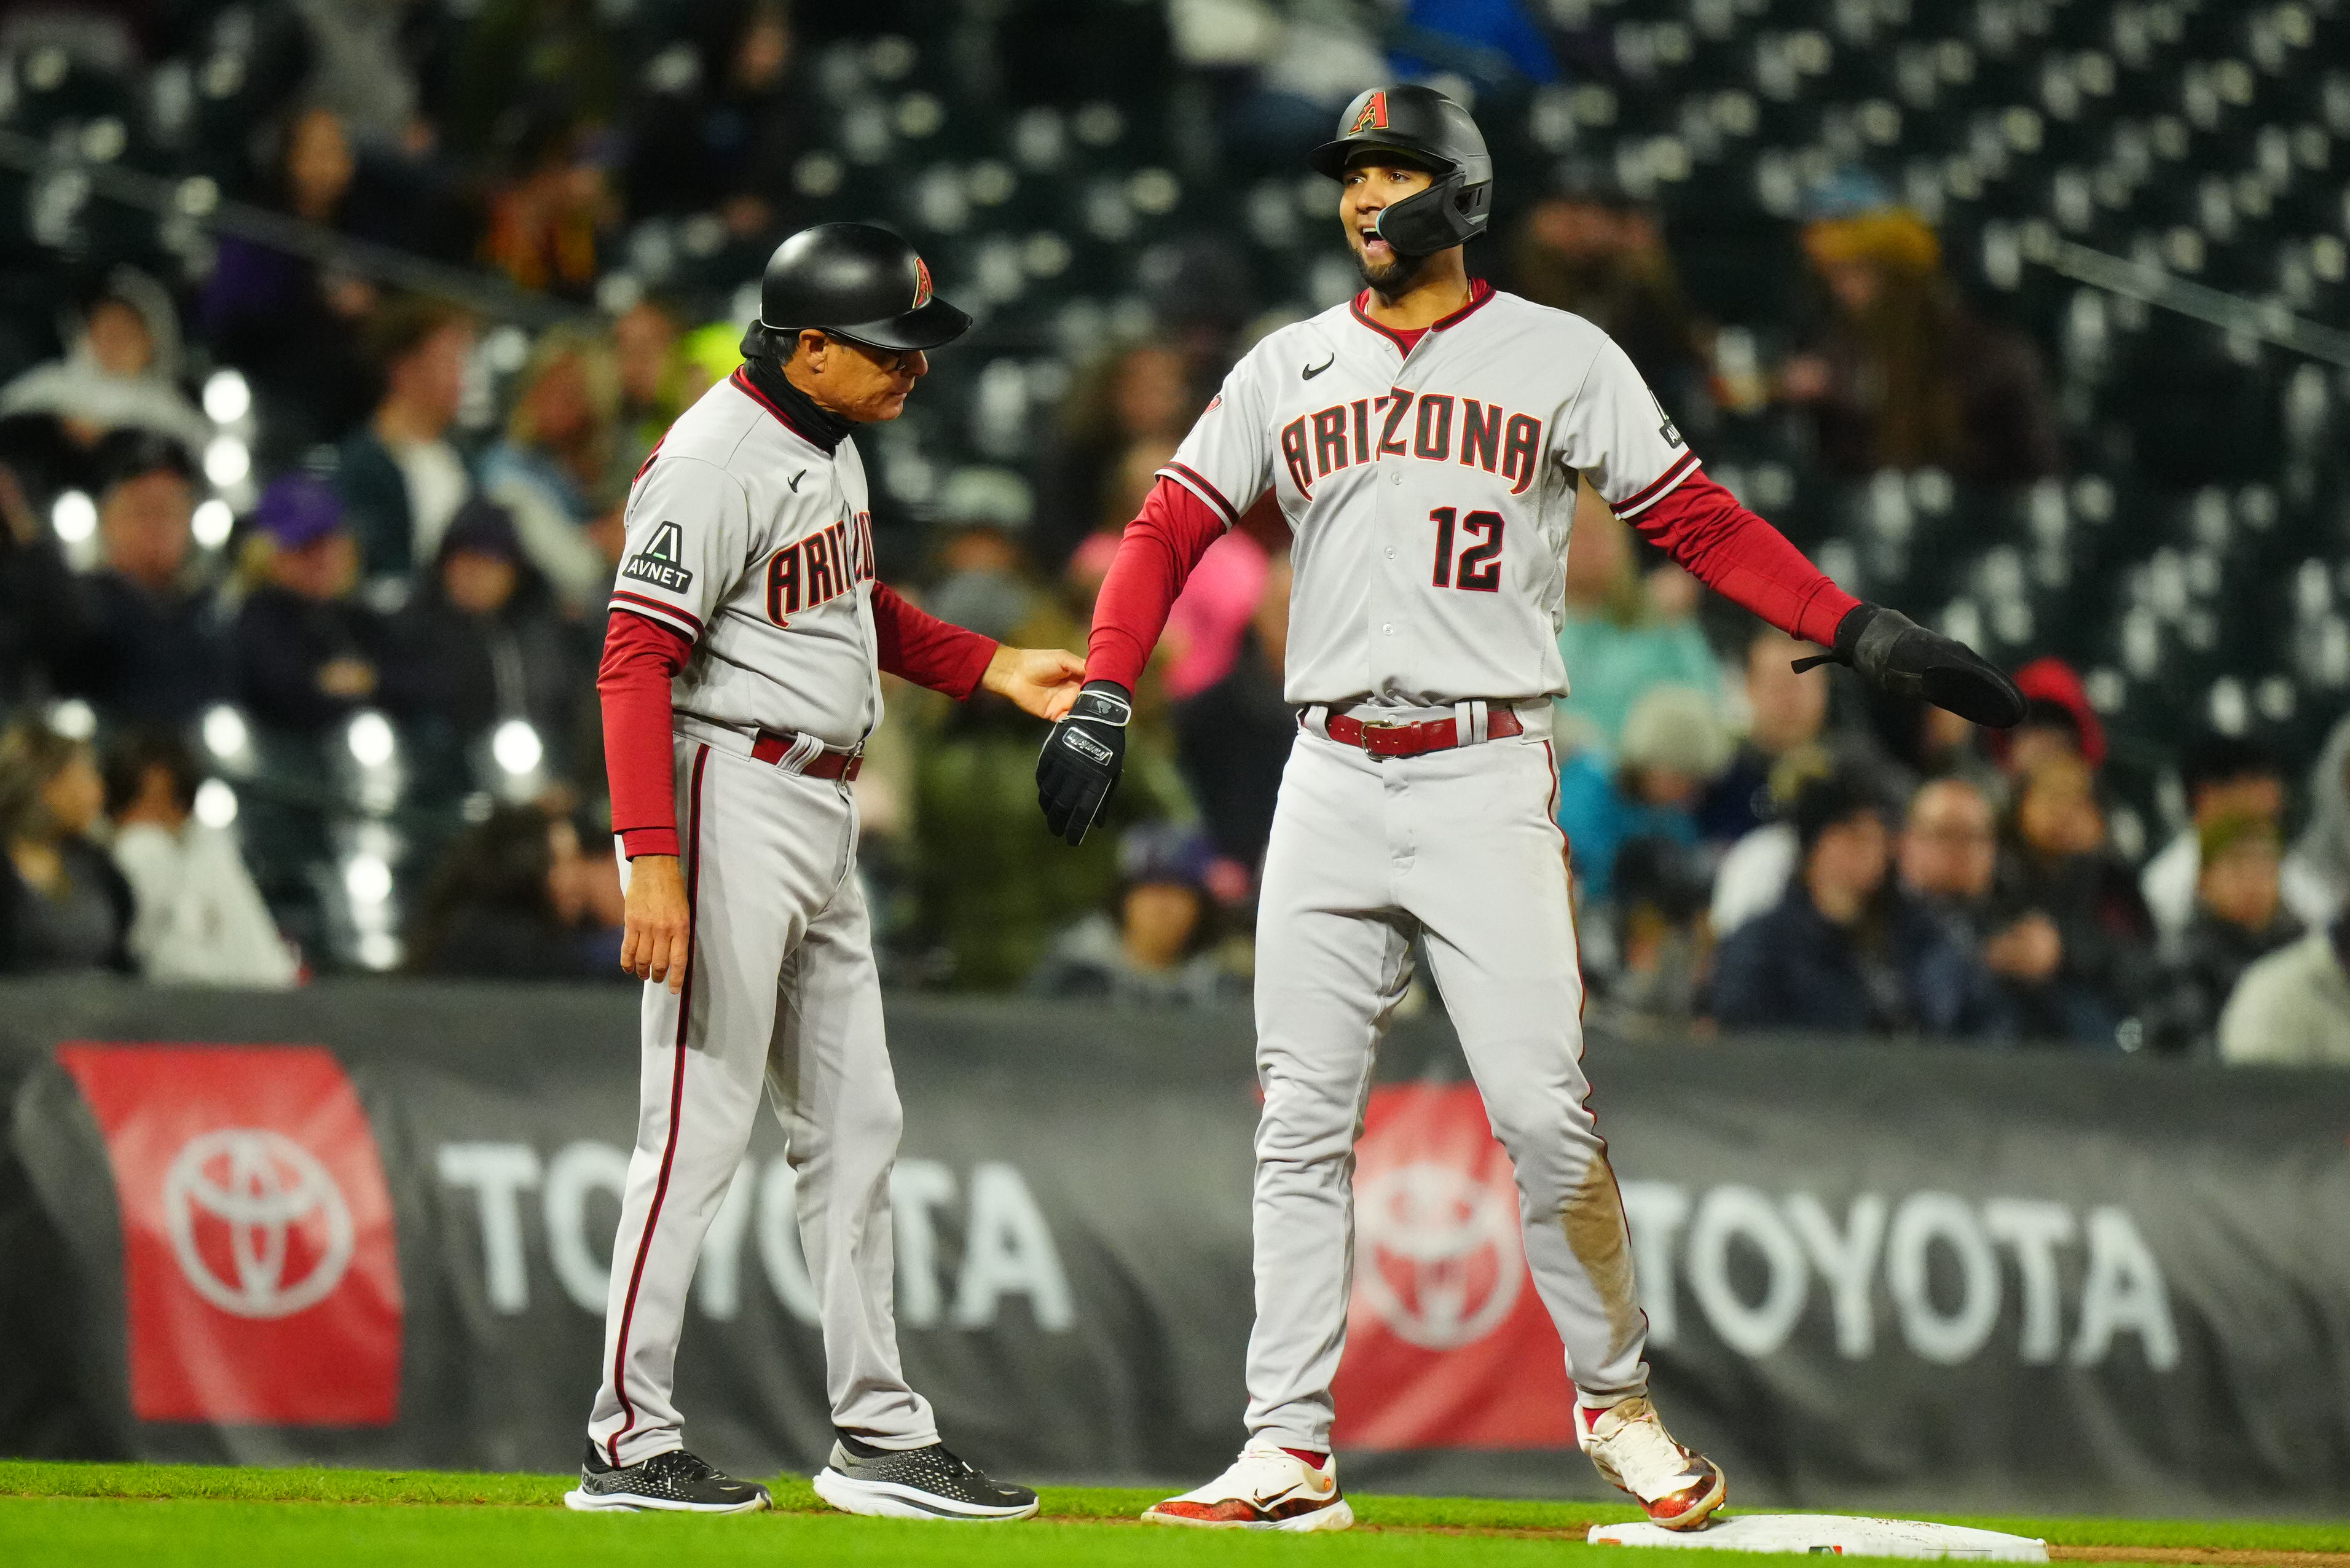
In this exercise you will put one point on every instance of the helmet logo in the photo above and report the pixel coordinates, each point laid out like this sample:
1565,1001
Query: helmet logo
1372,117
921,283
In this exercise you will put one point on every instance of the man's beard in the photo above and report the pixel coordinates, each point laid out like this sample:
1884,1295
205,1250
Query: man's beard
1392,278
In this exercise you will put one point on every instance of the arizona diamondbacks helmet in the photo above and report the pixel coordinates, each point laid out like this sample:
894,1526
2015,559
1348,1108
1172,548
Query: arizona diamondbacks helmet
1431,131
856,281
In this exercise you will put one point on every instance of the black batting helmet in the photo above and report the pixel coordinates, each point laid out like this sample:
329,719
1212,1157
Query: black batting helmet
859,282
1432,131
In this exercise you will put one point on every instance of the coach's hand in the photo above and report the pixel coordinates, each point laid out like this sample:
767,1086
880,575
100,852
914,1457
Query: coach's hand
1082,756
1894,654
1041,680
658,937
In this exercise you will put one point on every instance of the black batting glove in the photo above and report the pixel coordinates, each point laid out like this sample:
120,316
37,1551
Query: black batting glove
1079,765
1894,654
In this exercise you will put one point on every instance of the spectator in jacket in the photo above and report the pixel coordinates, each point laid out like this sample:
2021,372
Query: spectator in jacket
1673,745
1904,376
497,907
62,906
1588,248
1845,952
1949,862
400,477
2225,777
1154,946
1624,633
483,645
2293,1007
552,466
305,655
1787,718
2098,972
2240,918
151,650
197,917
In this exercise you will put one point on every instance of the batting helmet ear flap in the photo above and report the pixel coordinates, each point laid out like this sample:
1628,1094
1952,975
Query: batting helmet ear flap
1448,213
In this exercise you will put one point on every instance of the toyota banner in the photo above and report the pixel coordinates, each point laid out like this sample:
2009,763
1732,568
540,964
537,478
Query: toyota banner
372,1223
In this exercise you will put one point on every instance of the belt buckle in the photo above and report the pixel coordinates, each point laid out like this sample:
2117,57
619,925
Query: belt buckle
1382,739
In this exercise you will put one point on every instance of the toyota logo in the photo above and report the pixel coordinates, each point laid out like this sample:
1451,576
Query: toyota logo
1439,1257
260,1228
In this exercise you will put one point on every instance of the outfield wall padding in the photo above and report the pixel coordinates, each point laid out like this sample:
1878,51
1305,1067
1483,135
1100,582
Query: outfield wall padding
370,1223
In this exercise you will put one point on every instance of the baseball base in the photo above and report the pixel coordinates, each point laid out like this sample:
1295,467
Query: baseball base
1835,1535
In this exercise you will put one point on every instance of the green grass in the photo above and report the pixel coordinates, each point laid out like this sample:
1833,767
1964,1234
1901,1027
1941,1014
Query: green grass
97,1515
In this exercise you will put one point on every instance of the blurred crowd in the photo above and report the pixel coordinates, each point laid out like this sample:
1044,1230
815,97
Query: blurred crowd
327,702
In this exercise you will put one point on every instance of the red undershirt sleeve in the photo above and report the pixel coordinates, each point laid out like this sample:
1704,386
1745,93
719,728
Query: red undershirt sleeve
1154,559
641,656
1745,559
919,646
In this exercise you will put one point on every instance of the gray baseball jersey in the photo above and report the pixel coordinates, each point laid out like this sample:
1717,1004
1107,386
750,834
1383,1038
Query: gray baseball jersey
1429,494
758,546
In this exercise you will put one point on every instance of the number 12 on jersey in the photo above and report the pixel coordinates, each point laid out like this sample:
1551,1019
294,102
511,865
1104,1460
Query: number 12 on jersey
1479,569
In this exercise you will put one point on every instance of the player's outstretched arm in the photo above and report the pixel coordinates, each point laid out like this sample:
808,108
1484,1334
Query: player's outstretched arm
656,935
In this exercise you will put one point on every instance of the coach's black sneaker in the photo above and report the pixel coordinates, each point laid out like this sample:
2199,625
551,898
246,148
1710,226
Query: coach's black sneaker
674,1483
916,1483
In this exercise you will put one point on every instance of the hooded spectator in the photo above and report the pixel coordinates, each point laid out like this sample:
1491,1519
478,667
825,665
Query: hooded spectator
1845,952
1153,946
724,140
121,368
400,476
306,655
2292,1009
62,906
199,919
1904,376
1673,746
552,467
2059,721
2317,872
483,647
153,649
2225,777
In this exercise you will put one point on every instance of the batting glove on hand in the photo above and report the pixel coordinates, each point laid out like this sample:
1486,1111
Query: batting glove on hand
1894,654
1079,765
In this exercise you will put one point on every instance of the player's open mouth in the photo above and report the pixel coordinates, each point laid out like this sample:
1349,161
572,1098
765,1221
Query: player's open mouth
1374,247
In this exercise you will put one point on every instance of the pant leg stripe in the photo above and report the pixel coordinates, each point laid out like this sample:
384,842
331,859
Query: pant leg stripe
676,1104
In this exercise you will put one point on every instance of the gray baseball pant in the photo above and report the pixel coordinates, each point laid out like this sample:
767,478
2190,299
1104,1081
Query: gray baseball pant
781,994
1458,847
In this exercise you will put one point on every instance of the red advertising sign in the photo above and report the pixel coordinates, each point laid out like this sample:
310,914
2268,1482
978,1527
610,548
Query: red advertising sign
1447,1345
259,1265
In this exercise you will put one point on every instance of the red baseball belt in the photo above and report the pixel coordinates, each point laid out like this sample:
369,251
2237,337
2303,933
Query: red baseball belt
1418,739
773,746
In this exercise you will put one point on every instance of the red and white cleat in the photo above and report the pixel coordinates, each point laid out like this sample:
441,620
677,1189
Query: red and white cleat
1679,1486
1267,1488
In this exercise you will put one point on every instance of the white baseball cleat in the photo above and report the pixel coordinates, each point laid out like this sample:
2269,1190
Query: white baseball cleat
1679,1486
1268,1488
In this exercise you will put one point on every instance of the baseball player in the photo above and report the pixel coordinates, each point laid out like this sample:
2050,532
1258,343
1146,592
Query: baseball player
1424,442
740,680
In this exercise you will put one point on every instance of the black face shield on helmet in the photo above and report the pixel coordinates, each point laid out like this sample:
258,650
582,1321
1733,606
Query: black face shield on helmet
1428,131
854,281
